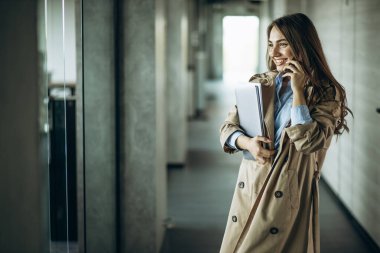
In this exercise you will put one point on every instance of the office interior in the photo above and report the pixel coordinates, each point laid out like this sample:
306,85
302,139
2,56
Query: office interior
110,114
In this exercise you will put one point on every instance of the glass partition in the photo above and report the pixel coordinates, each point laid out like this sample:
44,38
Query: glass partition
62,21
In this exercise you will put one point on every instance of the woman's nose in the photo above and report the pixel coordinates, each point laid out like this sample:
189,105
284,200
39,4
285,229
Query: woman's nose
275,51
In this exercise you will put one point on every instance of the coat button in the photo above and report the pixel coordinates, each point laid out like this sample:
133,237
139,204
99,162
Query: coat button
274,231
234,218
278,194
241,185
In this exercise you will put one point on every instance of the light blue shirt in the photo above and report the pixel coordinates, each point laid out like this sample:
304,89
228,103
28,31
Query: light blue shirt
283,112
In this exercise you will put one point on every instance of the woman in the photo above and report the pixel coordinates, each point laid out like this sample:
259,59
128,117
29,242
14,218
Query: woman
275,203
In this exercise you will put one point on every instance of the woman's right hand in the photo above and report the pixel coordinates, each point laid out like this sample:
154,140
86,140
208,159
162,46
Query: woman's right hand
255,147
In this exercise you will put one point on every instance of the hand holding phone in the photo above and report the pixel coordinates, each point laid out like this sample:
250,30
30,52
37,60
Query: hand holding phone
295,72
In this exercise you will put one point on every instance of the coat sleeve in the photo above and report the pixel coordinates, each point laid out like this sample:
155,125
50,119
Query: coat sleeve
229,126
316,135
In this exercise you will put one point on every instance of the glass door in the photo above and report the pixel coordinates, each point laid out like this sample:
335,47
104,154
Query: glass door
63,45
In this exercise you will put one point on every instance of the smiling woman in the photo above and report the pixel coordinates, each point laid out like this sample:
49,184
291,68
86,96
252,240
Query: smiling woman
304,106
279,49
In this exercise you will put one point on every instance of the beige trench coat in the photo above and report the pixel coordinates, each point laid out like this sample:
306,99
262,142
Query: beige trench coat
275,206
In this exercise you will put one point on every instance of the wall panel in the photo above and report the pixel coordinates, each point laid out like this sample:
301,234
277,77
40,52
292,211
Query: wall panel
347,77
348,30
367,122
320,11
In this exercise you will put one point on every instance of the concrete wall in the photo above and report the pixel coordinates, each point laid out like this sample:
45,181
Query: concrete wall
201,57
161,121
349,33
79,128
23,145
193,41
177,83
99,126
142,111
215,41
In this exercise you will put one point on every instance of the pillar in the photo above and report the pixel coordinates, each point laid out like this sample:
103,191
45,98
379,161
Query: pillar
215,42
193,41
176,81
201,69
99,127
142,125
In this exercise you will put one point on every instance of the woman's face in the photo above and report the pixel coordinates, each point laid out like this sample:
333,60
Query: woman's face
279,49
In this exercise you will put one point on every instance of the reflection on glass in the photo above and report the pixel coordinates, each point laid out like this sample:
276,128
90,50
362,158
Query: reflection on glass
61,88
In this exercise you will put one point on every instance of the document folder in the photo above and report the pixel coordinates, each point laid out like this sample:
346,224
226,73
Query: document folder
250,111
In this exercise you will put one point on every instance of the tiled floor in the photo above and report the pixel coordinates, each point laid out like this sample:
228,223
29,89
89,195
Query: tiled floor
200,194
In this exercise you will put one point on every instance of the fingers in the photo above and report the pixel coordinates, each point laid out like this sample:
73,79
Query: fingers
261,154
260,160
260,151
296,64
291,68
263,139
295,69
288,74
266,153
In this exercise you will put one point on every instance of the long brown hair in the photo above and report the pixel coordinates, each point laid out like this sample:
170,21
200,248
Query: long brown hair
306,46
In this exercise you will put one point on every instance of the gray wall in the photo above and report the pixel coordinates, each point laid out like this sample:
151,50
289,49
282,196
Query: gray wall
349,33
142,164
23,150
161,121
79,128
177,82
215,42
99,126
141,90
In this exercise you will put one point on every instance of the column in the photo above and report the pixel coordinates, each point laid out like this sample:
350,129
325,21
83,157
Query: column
99,127
177,85
216,38
142,126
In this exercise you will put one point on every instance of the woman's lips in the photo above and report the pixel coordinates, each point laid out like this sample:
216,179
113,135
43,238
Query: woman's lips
279,62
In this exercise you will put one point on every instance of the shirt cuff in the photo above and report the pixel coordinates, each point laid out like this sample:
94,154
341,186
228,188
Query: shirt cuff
300,114
231,141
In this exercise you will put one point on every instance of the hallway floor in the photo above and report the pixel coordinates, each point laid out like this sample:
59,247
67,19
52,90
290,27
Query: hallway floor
199,195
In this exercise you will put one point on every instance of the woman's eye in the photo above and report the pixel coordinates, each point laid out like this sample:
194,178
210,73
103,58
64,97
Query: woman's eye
283,44
270,45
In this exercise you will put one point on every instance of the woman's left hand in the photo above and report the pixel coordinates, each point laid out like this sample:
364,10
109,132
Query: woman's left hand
296,75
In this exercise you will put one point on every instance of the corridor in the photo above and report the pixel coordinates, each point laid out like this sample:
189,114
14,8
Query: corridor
199,195
110,115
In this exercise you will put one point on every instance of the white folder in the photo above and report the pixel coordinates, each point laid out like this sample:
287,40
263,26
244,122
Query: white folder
250,110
